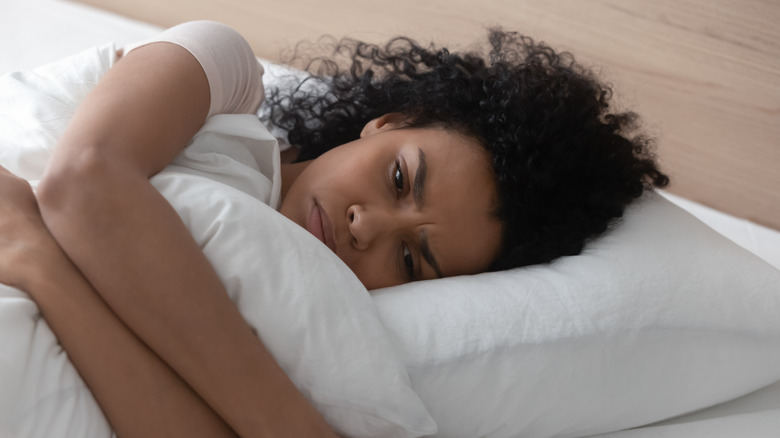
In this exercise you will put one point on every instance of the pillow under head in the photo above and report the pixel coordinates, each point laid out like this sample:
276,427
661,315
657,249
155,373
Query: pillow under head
659,317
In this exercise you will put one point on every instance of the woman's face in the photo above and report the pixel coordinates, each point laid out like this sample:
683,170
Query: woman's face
400,204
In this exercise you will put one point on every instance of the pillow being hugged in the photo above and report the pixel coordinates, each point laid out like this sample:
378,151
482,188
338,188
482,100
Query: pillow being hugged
309,309
659,317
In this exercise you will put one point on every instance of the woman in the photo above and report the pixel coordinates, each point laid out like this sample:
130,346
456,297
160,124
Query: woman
445,164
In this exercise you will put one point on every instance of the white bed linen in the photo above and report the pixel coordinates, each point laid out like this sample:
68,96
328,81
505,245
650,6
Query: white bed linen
33,32
760,240
756,415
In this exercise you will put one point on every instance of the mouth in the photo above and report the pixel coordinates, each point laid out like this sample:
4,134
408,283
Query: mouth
319,225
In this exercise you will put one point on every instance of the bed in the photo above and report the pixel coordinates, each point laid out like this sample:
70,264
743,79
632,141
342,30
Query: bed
549,382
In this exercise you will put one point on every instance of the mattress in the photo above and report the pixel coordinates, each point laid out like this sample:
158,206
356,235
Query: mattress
36,32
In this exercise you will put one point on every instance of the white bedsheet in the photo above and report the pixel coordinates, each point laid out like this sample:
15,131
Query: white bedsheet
756,415
34,32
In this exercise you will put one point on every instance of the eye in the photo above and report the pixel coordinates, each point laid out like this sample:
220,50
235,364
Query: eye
398,177
408,262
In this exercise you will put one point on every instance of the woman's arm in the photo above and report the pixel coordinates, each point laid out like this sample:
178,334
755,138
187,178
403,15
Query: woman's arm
132,247
140,395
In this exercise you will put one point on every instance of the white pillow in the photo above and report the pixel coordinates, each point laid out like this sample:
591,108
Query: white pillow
310,310
659,317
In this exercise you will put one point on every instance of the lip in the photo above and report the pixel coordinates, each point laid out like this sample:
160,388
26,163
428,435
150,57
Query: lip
320,226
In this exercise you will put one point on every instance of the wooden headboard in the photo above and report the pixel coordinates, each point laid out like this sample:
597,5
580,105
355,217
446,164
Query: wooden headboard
704,74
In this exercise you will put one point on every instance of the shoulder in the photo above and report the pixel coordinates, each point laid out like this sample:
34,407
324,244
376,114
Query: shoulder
234,73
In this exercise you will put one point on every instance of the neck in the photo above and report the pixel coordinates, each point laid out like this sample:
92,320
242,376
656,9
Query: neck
290,172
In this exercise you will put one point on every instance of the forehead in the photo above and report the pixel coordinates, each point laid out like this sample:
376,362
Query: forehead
460,195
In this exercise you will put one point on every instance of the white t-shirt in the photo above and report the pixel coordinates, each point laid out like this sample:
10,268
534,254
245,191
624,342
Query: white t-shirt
233,147
233,72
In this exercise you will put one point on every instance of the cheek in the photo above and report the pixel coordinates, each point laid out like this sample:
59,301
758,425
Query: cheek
349,185
338,177
316,179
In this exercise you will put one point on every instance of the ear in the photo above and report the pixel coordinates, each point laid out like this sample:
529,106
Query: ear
384,123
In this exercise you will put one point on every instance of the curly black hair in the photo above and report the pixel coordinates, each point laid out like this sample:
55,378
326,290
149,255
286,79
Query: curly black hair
566,164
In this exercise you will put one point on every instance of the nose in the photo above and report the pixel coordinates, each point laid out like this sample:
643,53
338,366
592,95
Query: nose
368,225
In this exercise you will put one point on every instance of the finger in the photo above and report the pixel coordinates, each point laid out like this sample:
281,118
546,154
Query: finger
6,173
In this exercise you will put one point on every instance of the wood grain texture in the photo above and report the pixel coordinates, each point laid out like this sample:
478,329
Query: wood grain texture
705,74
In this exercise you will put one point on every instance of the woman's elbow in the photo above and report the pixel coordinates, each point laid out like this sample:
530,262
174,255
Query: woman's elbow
77,189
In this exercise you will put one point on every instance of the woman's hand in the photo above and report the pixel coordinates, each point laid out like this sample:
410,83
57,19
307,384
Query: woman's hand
121,371
26,246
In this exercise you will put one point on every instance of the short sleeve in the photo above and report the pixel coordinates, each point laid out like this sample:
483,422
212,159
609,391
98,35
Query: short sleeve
233,72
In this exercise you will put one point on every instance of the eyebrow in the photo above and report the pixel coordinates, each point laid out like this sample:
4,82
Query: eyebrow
419,190
419,180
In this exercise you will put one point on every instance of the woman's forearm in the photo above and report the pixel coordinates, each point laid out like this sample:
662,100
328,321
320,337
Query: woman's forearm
153,275
140,395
